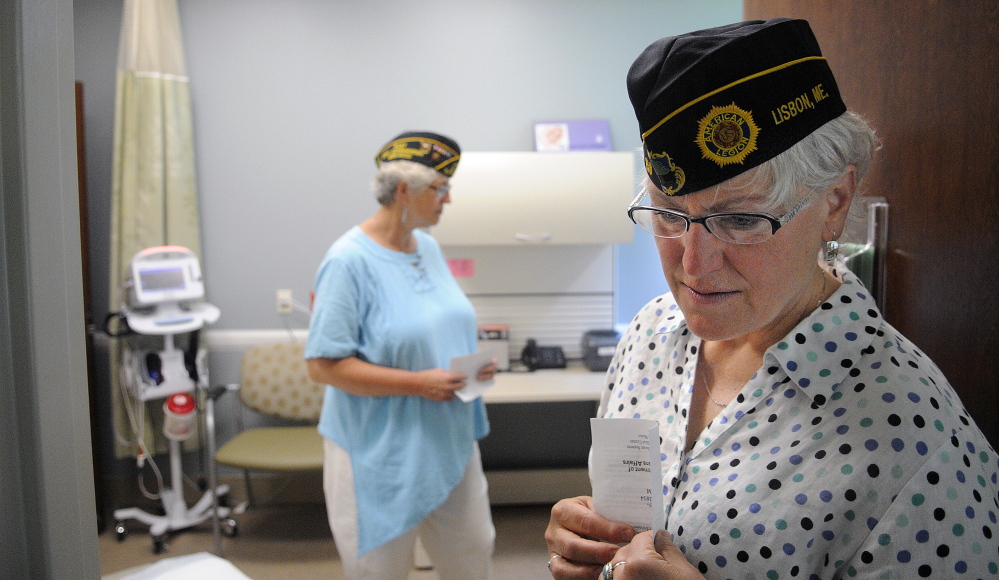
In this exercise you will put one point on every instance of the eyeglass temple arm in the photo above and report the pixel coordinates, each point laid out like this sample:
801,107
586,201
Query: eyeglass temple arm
794,210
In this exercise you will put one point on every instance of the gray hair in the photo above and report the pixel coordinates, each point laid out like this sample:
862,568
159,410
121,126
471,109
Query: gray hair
816,162
416,175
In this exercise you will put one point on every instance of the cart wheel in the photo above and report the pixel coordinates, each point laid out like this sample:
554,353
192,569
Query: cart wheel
120,531
230,528
159,543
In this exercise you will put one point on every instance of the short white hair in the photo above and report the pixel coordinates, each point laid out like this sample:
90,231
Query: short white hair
416,175
816,162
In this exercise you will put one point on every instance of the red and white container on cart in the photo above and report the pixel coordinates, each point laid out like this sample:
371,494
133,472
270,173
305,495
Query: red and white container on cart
178,416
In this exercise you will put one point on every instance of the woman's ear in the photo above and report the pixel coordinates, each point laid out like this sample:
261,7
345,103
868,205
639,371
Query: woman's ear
839,197
402,191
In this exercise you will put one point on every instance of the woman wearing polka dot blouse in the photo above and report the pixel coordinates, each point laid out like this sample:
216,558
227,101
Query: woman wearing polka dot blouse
801,435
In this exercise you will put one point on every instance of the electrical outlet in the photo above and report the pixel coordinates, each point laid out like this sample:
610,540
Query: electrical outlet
284,305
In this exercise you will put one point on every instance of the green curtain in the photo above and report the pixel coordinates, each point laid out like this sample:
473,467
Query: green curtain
154,198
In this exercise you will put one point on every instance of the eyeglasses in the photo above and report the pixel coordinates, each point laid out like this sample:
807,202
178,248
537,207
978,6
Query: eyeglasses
731,227
440,190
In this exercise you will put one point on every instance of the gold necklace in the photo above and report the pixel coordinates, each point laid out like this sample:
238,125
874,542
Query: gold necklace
708,391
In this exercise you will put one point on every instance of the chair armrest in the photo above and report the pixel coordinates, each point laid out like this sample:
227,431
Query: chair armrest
218,390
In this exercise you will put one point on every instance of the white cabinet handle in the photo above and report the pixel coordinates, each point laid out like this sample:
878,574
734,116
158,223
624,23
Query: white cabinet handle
533,237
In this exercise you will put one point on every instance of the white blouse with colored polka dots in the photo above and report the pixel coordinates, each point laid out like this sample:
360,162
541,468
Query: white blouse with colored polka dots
847,455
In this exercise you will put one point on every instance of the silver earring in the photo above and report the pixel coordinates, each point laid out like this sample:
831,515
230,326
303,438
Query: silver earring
830,251
404,214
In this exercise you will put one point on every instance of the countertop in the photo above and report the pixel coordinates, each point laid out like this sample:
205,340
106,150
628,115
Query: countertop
574,383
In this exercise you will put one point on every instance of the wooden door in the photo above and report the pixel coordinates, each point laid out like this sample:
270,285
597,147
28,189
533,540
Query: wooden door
81,168
926,75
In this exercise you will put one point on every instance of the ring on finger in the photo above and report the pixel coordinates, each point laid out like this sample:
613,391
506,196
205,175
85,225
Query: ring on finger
552,558
608,572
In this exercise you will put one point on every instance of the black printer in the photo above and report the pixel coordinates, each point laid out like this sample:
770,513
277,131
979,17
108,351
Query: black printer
598,348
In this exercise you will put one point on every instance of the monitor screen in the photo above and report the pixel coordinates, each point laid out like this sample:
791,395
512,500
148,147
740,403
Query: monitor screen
161,279
165,274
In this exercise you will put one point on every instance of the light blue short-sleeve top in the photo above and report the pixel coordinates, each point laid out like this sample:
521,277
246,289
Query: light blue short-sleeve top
403,311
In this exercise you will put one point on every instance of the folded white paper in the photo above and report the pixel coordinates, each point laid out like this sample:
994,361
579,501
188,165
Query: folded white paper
626,473
469,365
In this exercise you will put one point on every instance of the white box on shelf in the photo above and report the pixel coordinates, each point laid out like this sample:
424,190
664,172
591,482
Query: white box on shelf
495,338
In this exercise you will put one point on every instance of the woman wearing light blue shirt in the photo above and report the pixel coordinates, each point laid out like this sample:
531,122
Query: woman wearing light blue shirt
402,457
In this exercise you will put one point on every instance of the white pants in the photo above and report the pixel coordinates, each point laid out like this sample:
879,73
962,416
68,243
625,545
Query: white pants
458,535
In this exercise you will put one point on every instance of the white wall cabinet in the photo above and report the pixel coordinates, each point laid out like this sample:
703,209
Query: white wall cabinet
518,198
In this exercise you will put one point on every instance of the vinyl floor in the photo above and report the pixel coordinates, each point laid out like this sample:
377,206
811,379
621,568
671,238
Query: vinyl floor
290,541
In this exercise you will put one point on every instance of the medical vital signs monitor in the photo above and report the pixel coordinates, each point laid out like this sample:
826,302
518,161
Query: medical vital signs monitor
166,274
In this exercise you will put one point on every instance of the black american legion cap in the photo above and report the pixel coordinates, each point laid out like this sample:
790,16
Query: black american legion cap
714,103
431,149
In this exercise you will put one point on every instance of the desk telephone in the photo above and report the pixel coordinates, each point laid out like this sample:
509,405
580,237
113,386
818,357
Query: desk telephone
542,357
